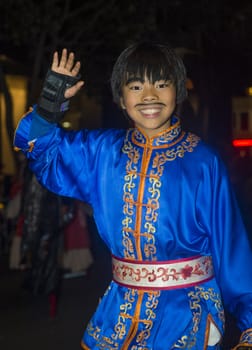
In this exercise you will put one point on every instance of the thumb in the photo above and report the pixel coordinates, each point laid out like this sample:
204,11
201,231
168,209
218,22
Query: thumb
74,89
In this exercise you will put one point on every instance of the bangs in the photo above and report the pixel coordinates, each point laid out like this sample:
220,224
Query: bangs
150,64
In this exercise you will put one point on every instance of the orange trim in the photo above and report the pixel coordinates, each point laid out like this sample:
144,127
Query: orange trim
16,149
242,345
249,345
135,234
207,331
174,126
132,172
135,321
152,206
128,229
31,146
144,166
160,146
209,321
84,346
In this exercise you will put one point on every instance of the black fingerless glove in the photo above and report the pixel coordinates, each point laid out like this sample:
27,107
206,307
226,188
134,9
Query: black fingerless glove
52,104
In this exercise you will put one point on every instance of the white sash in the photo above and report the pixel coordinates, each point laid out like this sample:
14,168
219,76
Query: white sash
162,275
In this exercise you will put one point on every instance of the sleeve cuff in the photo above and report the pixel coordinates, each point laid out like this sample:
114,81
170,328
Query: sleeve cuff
30,127
39,126
245,340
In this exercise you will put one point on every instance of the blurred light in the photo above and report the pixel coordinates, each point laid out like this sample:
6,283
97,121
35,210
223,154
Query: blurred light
190,86
66,125
249,91
242,143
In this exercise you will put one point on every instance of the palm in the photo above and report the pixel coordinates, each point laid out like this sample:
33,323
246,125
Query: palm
66,65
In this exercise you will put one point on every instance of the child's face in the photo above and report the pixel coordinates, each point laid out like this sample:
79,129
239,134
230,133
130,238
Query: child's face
149,105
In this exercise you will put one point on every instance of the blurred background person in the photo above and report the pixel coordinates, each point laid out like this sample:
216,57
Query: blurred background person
77,256
42,242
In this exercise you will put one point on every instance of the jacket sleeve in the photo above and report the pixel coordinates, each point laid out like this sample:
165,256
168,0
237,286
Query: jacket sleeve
62,160
230,245
245,342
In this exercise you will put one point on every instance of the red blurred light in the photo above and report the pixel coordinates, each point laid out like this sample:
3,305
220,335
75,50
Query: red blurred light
242,143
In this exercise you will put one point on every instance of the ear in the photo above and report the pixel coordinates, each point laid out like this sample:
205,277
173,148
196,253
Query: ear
122,103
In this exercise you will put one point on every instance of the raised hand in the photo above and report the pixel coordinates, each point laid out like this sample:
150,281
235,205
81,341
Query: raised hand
61,83
65,64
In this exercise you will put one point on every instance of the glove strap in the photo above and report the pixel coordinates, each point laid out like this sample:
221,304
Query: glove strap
52,103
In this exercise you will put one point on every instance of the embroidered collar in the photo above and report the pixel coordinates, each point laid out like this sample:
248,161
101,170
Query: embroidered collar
166,137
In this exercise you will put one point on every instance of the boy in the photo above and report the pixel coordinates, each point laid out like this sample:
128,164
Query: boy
162,203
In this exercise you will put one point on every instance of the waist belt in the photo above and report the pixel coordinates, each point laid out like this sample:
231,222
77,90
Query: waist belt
162,275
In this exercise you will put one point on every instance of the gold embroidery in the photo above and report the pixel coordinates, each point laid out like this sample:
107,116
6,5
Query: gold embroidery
151,304
185,343
93,331
120,327
159,139
128,199
132,207
178,151
136,177
150,230
150,251
141,193
196,296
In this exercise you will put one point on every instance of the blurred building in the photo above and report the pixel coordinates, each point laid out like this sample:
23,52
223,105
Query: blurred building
17,85
242,123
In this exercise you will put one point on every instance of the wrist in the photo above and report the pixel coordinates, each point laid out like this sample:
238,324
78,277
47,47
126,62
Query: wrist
52,103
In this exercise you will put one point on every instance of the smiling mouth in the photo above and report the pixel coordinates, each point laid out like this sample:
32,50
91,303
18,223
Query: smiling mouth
150,111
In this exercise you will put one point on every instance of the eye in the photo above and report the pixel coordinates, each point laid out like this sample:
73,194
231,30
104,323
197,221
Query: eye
135,86
162,84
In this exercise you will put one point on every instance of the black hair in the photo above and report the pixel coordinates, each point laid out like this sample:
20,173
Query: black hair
152,60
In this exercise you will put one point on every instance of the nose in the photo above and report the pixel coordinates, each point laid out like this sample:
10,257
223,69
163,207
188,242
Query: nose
149,93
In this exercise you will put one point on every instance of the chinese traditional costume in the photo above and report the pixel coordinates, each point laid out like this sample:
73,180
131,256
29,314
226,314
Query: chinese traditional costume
165,208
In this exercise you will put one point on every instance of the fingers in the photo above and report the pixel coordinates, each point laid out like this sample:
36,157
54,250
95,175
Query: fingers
69,61
63,58
66,63
55,61
76,68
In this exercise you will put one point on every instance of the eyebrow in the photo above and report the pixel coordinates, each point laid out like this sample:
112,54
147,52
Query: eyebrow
134,79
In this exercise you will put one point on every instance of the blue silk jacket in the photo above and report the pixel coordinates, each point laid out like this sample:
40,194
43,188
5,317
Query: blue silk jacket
162,199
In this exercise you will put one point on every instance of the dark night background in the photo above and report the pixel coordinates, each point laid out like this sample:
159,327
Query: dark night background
214,38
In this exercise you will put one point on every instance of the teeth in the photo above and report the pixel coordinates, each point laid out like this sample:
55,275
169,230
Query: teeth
150,111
